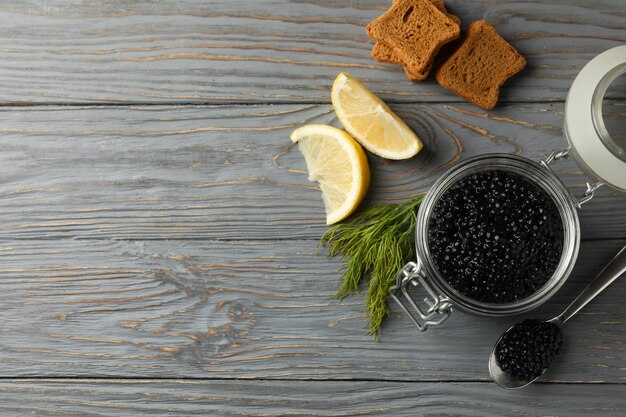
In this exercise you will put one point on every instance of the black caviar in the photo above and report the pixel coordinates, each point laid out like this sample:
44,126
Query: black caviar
495,236
528,348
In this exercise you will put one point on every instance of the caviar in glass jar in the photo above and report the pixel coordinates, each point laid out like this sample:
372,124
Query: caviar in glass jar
495,237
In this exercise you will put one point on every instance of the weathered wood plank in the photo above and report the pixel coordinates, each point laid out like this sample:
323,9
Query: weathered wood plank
253,310
272,50
229,172
310,398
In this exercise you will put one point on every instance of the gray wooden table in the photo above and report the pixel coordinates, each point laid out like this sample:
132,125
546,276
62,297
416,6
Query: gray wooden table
158,233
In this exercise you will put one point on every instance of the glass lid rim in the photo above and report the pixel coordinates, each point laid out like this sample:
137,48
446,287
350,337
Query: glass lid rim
583,119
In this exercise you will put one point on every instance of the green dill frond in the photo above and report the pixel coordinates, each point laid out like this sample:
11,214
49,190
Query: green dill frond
375,244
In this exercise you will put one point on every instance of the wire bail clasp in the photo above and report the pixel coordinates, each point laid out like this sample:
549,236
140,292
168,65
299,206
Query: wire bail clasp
436,308
591,188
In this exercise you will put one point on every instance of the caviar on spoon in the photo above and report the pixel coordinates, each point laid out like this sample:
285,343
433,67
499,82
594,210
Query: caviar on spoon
524,352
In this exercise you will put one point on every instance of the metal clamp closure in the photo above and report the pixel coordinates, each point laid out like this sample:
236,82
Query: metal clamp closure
591,188
437,308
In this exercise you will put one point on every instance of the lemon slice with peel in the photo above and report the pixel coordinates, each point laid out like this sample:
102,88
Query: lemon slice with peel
371,121
338,163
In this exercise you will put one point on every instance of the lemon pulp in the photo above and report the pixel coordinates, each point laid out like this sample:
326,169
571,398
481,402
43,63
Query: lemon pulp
370,121
338,163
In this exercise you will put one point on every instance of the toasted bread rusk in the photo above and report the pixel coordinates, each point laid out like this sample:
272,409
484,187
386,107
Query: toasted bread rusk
481,64
415,30
384,53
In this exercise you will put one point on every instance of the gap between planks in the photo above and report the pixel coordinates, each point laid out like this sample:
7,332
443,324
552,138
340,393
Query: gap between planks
230,240
212,103
74,379
248,103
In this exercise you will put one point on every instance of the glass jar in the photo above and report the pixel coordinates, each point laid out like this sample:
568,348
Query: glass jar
424,273
594,151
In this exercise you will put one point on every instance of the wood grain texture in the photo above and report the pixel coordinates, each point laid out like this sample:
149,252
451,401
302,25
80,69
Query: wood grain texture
267,51
262,309
323,399
177,240
231,172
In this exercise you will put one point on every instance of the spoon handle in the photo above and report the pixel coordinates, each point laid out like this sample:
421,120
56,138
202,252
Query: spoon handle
610,273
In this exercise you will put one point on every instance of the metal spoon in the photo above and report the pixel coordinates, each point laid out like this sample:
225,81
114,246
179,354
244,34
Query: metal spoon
610,273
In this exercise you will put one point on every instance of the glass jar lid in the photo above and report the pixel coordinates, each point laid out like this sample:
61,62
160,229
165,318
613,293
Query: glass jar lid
598,153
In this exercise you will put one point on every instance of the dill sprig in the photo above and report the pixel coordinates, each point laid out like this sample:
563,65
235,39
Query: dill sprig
375,244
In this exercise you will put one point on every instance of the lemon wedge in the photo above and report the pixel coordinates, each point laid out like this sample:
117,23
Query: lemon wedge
370,121
338,163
